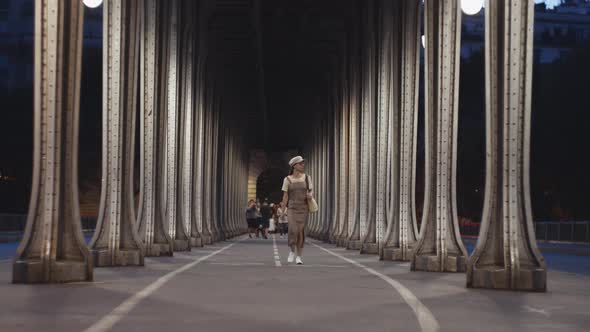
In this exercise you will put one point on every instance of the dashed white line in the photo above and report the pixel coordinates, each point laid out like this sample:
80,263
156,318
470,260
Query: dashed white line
277,256
426,319
108,321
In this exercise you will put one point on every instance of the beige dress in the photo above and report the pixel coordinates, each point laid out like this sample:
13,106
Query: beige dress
297,212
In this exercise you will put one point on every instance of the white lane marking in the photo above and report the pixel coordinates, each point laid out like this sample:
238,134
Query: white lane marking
320,265
276,251
535,310
426,319
235,264
108,321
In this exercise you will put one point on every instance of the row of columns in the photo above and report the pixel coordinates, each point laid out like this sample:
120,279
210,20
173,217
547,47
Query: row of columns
192,171
368,198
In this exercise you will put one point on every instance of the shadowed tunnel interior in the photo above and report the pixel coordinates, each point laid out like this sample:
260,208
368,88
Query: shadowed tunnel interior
278,62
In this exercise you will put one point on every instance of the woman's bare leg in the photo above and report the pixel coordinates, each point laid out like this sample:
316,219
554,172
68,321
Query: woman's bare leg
300,240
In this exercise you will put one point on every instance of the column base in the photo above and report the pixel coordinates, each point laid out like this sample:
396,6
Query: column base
31,272
196,242
396,254
127,257
354,245
207,240
182,245
432,263
331,239
497,277
159,249
370,249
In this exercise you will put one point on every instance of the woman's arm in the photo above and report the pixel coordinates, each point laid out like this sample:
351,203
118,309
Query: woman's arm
285,200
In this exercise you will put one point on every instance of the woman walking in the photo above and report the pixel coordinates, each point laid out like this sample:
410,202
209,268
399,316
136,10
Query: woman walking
297,189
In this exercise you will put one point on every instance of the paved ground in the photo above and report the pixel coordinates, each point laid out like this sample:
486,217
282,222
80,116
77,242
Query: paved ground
241,286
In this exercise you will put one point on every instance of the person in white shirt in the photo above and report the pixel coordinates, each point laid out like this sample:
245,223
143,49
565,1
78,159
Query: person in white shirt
283,220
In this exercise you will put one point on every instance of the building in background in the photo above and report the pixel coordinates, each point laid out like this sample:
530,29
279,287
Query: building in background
17,25
558,31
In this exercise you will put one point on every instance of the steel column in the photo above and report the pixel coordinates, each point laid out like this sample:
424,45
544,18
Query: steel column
353,202
368,162
506,255
115,240
403,228
53,248
440,247
150,221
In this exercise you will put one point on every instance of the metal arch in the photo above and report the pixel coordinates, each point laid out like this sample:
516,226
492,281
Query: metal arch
507,239
53,248
439,248
115,241
150,225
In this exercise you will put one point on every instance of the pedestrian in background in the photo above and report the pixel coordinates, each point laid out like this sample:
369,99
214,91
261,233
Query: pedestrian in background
251,217
283,220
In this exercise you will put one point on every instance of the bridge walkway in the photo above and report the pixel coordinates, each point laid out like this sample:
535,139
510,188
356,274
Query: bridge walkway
241,285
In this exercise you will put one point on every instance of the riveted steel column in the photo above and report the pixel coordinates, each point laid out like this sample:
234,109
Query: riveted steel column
115,240
326,190
53,248
199,150
226,191
403,231
228,186
208,155
335,229
386,117
352,203
343,155
215,171
329,200
440,247
506,255
150,221
186,27
174,200
368,162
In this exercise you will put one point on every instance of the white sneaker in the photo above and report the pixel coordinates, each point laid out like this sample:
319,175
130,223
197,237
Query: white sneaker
291,257
298,260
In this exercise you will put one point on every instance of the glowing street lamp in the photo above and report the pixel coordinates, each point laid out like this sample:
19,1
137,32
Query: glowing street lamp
471,7
92,3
